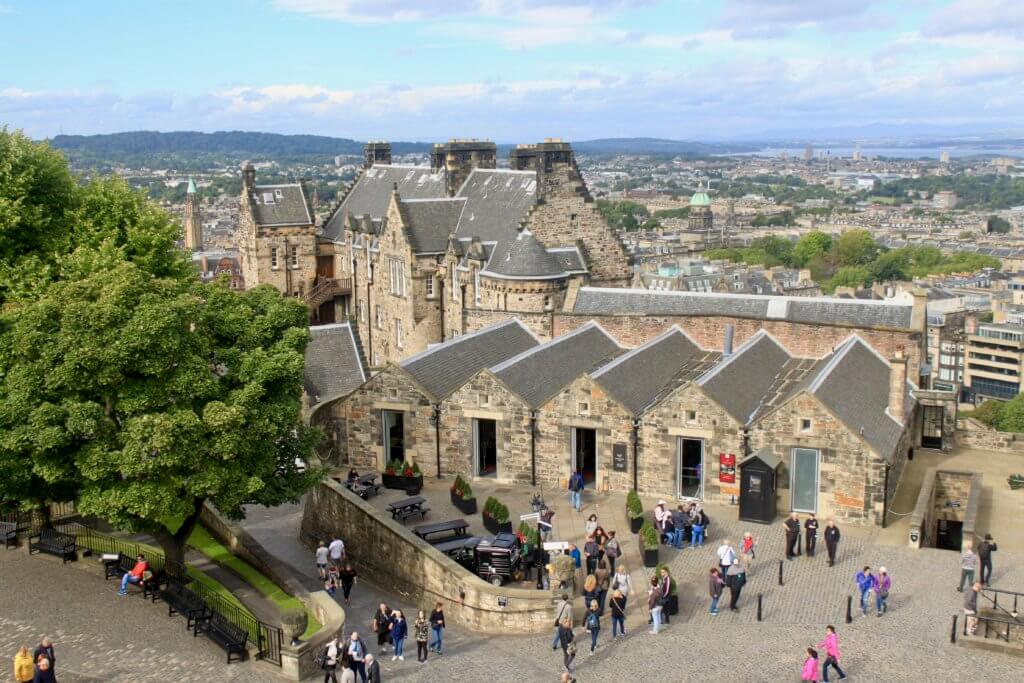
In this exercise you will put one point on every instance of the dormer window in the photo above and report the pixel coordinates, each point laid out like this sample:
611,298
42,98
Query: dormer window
278,194
268,198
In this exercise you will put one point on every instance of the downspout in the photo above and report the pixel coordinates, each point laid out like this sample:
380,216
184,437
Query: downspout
533,448
442,291
635,438
437,436
885,496
370,322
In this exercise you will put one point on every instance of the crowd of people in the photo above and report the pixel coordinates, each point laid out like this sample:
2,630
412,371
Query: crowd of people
37,666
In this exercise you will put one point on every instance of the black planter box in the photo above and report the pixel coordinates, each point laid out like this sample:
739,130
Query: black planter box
495,527
650,557
466,507
397,481
635,523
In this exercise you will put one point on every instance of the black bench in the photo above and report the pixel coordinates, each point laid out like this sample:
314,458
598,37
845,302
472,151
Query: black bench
458,526
183,601
231,638
10,531
53,542
124,564
407,507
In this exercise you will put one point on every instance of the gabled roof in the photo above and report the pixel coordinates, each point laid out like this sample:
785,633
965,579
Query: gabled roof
740,383
333,364
497,200
570,259
523,258
444,368
290,208
541,372
370,193
429,222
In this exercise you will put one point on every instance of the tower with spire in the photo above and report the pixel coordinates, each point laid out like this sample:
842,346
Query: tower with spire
193,219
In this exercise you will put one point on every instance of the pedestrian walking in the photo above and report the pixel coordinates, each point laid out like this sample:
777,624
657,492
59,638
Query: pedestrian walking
603,576
372,670
726,555
747,549
715,586
655,605
331,656
45,648
43,672
612,550
697,528
810,670
336,551
665,586
563,611
968,563
831,647
735,579
399,631
590,526
576,486
831,540
437,626
593,624
358,656
348,579
622,581
321,560
971,608
792,526
421,629
866,582
985,550
589,589
24,668
567,640
810,534
382,627
590,551
883,583
618,609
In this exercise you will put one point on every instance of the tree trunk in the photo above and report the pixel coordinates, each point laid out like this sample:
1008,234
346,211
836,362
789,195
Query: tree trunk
173,544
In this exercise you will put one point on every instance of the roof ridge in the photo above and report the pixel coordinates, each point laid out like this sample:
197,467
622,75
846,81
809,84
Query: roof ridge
759,297
461,338
756,337
674,329
590,324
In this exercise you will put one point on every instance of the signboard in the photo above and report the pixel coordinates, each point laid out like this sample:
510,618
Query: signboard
619,461
502,601
556,545
727,468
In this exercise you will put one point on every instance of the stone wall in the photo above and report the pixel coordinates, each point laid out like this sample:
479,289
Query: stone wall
954,495
293,281
477,319
971,433
401,563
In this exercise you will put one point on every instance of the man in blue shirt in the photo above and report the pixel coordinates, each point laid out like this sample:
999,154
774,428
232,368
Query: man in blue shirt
576,490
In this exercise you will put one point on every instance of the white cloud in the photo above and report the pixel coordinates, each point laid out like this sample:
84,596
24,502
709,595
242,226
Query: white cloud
374,11
977,16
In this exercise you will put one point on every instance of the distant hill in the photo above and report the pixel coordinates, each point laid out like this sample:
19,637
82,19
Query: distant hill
659,146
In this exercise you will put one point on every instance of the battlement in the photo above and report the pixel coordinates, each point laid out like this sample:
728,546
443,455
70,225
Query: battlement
376,152
459,156
542,156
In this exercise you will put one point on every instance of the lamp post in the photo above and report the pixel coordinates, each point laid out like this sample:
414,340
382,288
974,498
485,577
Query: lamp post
435,419
634,436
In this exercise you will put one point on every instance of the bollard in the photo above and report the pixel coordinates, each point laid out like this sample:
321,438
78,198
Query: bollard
760,596
780,572
849,609
952,632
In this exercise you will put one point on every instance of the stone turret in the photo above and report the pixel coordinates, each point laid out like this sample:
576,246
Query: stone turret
458,158
248,179
376,152
542,157
193,219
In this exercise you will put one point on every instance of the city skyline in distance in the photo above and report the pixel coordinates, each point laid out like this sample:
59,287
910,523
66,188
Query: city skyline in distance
517,70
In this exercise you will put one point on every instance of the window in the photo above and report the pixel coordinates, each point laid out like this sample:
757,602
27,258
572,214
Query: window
691,416
584,408
268,198
805,424
293,255
484,400
378,316
429,285
455,284
548,304
376,359
399,336
278,194
397,272
476,287
362,311
273,258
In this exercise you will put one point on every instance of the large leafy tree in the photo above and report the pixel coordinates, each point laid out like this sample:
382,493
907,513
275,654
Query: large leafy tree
855,248
814,244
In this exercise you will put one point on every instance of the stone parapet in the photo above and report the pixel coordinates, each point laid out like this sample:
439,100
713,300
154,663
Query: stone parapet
954,495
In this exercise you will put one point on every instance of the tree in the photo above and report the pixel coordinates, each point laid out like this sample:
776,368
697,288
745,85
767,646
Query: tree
892,265
855,248
779,248
811,245
1011,416
997,225
851,276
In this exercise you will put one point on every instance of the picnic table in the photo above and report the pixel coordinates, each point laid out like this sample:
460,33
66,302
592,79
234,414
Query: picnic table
407,507
458,526
364,486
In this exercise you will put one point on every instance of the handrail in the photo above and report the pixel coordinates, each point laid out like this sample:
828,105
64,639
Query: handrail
988,621
995,600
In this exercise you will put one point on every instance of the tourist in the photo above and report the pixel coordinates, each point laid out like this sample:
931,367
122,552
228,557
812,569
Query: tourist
576,490
866,582
811,534
593,624
574,553
358,655
372,670
971,608
735,579
590,526
336,551
621,581
985,550
680,520
345,664
655,605
135,575
590,551
399,630
831,647
603,576
792,526
747,550
43,672
883,582
331,656
24,669
589,589
968,563
545,527
567,640
726,555
421,628
697,529
665,586
661,517
618,608
715,586
348,579
831,540
437,625
612,550
382,627
563,611
45,648
321,560
810,670
601,538
331,585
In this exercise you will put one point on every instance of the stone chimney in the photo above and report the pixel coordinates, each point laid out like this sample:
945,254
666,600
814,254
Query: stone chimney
248,178
897,384
919,313
727,343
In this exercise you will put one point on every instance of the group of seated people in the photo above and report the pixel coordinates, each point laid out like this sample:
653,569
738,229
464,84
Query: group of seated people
687,522
358,488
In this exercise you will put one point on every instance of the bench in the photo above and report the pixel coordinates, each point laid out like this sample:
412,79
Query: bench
231,638
183,601
53,542
10,531
124,564
458,526
405,513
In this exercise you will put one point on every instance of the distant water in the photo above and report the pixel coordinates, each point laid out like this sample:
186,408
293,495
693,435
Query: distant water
894,152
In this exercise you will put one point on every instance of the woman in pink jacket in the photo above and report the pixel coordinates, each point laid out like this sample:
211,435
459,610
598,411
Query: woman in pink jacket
810,672
831,647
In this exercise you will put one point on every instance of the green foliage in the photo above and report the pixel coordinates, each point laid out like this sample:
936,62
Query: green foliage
812,245
529,534
623,215
998,225
462,488
891,265
851,276
1004,416
649,535
682,212
855,248
634,506
973,191
495,509
778,219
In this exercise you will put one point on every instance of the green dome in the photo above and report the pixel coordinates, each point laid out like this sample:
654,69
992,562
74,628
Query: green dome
700,197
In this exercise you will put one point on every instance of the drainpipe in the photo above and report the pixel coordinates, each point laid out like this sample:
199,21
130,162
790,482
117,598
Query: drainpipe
370,322
436,419
441,290
635,438
885,496
533,448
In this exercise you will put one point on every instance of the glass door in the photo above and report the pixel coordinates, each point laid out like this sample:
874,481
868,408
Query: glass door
803,480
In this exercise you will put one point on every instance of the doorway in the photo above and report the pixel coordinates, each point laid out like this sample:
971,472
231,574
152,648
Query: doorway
485,447
584,453
803,480
393,422
324,266
949,534
931,426
689,467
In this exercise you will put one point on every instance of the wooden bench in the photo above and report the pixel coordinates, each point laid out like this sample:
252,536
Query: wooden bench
124,564
10,531
183,601
230,637
53,542
407,507
406,513
458,526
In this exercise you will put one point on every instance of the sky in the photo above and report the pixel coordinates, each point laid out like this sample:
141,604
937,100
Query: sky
510,70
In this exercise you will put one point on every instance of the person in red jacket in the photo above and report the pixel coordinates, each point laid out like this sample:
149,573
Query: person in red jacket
135,575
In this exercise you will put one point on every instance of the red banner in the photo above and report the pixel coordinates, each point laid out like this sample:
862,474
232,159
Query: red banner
727,468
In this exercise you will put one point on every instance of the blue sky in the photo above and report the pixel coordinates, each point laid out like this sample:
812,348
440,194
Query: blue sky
510,70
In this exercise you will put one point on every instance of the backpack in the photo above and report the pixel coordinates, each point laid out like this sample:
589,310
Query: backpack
592,621
321,658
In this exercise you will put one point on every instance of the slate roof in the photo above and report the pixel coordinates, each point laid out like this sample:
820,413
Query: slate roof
333,364
570,259
372,190
638,378
429,222
740,382
820,310
765,455
288,209
446,367
538,374
523,257
497,200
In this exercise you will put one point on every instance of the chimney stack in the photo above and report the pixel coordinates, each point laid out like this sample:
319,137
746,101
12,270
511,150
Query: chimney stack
727,344
248,178
897,384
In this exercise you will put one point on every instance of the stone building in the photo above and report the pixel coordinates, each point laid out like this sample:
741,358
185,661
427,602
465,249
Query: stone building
701,220
193,219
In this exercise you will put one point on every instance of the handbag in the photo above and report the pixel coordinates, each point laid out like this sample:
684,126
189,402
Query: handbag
570,649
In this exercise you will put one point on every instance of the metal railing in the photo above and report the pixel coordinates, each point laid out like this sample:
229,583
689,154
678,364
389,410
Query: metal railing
997,626
993,594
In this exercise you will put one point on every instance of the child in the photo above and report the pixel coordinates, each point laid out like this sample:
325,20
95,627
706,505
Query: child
331,586
810,672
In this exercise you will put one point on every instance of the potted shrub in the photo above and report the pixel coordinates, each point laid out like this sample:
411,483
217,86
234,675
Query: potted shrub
672,606
413,478
635,511
392,477
495,516
462,496
528,537
1016,481
649,544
